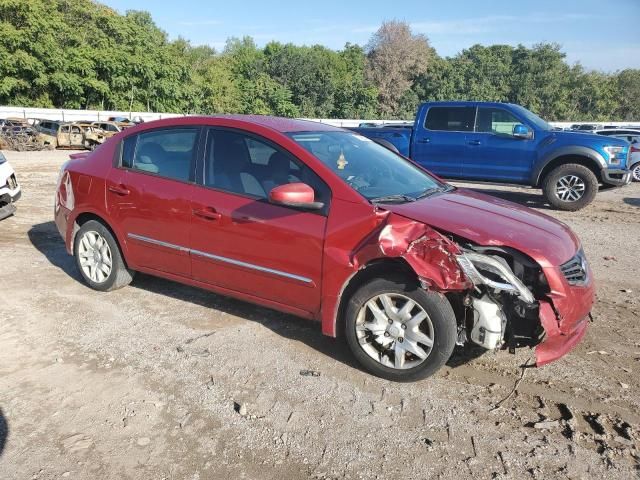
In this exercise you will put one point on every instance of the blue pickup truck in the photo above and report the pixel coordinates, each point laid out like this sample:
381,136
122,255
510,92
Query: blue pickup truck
506,143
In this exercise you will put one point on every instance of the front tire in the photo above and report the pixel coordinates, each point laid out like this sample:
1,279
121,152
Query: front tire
570,187
398,331
99,259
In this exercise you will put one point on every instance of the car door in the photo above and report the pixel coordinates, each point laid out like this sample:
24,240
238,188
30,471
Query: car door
76,137
64,136
495,154
440,139
241,242
148,197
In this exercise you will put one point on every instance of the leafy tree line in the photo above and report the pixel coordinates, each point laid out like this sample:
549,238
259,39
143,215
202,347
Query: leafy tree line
82,54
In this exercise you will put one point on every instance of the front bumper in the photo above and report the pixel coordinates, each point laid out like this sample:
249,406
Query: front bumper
556,344
564,315
7,204
618,177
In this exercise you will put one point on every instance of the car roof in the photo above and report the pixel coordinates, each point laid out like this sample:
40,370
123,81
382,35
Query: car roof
279,124
470,103
619,131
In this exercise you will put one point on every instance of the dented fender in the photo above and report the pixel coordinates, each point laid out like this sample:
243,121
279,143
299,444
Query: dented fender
426,251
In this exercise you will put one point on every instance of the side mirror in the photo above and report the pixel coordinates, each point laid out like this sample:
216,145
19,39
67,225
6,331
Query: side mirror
520,131
298,195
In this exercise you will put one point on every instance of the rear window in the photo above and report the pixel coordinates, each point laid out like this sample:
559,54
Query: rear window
450,119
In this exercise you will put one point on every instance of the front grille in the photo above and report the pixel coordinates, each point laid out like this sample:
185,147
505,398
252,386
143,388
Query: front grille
575,270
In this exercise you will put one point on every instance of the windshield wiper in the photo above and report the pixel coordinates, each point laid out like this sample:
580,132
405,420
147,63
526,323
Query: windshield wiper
429,191
392,199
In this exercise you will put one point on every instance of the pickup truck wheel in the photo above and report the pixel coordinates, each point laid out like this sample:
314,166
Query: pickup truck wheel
99,259
635,172
570,187
399,331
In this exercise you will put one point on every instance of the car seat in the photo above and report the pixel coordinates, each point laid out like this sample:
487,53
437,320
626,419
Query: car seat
231,166
148,156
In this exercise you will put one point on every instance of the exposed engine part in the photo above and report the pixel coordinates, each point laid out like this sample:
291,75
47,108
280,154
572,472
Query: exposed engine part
489,323
503,308
475,263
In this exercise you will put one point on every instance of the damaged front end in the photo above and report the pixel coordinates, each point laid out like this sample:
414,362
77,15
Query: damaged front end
503,308
502,298
512,303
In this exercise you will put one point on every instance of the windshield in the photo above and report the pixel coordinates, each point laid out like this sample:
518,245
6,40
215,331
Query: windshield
375,172
533,118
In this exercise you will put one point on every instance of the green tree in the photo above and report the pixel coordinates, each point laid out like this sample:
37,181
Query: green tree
628,90
395,58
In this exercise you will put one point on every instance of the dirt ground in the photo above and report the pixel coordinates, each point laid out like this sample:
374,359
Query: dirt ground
149,382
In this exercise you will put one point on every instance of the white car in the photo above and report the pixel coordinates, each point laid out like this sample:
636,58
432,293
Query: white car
631,135
634,160
9,188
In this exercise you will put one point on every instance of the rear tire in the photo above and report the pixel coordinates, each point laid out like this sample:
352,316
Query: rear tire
99,259
635,172
423,334
570,187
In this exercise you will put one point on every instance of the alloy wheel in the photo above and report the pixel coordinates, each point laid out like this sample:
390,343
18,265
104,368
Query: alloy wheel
570,188
395,331
635,172
95,257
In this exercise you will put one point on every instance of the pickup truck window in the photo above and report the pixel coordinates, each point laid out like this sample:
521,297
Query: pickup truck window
450,119
532,118
377,173
495,120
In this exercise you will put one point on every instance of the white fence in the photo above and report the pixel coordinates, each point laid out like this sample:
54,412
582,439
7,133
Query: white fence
96,115
67,115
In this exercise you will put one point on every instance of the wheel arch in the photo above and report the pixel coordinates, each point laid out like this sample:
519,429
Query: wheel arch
83,218
587,157
376,268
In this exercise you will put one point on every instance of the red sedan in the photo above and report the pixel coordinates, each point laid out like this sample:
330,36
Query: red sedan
327,225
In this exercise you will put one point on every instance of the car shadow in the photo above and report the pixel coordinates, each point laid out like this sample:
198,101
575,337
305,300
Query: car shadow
46,239
464,354
287,326
4,431
634,202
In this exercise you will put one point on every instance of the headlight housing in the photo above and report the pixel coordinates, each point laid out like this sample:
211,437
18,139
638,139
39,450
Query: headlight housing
473,264
616,154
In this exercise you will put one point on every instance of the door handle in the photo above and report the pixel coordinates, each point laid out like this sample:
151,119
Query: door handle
207,213
475,142
119,190
424,140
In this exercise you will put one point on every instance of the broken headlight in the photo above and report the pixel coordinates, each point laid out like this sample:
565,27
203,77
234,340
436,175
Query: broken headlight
479,268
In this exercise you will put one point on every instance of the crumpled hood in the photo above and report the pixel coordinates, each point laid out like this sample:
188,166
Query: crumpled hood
488,220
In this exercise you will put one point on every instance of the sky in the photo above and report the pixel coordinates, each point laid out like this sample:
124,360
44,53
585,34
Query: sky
600,34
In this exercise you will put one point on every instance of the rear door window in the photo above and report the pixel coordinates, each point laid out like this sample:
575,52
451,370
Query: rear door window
450,119
169,153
